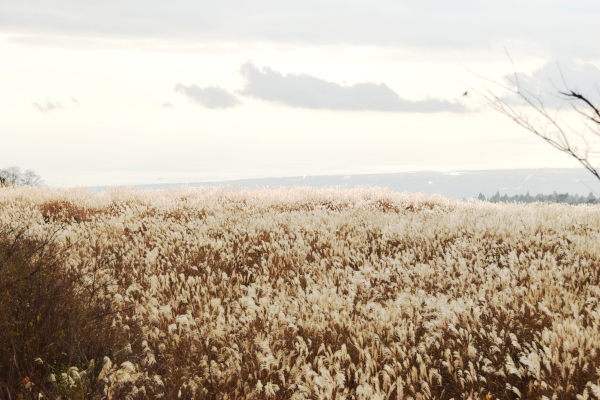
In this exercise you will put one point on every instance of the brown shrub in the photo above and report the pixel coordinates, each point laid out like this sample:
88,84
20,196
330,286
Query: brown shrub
53,320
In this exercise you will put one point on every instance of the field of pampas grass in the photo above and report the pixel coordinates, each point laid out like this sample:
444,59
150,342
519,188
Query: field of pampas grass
296,294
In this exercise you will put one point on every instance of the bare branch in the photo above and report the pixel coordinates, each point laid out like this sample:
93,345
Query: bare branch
547,124
587,102
13,176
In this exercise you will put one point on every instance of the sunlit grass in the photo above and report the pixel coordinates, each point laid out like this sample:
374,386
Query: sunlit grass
303,293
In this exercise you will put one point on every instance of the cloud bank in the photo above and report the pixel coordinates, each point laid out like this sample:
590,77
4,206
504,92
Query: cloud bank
213,97
565,27
307,91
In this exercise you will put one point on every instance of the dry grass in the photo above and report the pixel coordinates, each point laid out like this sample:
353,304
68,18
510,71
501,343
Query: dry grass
302,293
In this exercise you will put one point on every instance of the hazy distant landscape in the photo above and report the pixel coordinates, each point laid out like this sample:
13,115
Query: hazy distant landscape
460,185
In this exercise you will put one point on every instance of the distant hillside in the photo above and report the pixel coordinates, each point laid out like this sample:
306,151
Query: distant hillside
459,184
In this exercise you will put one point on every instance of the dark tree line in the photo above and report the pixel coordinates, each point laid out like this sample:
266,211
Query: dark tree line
545,198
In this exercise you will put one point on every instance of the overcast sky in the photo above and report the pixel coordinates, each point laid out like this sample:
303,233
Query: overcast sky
136,92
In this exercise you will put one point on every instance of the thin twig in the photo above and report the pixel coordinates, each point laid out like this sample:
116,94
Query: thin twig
549,128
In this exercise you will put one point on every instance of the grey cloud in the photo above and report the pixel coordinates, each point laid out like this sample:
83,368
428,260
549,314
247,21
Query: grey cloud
212,97
307,91
553,77
48,105
565,27
166,104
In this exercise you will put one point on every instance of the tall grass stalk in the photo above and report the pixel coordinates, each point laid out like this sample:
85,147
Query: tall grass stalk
296,294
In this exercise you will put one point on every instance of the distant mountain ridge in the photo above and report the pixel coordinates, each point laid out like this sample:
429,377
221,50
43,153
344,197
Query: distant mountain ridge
458,184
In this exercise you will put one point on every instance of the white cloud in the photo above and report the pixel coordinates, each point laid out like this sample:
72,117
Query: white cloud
48,105
213,97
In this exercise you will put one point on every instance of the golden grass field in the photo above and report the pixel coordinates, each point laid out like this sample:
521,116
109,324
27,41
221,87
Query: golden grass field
296,294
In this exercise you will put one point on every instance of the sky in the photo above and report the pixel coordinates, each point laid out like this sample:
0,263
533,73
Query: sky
140,92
